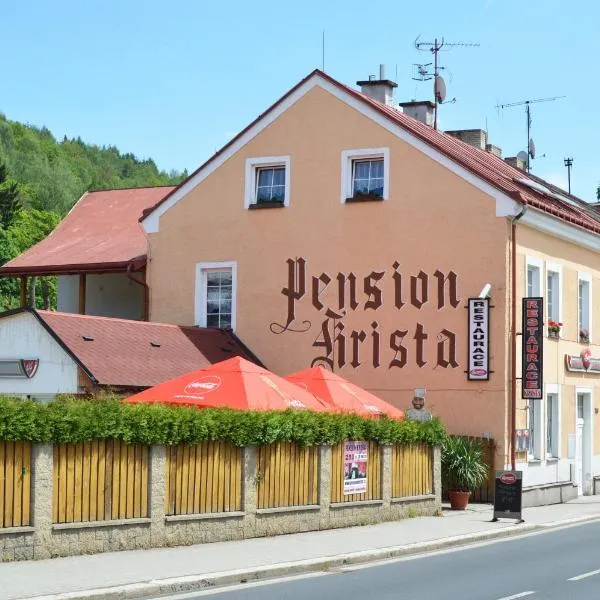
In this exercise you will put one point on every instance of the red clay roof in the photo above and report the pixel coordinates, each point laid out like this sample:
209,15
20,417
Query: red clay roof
138,354
485,165
101,233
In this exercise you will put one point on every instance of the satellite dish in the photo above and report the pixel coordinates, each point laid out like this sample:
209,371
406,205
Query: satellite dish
439,89
523,156
532,148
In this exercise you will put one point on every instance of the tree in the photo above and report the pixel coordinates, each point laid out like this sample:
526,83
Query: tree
10,203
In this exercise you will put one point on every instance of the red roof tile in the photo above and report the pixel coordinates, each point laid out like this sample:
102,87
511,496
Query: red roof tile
138,354
101,233
484,164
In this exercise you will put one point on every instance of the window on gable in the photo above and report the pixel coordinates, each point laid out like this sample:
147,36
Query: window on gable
270,185
267,182
367,178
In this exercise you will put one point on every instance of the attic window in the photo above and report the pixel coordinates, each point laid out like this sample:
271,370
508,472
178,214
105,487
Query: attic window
365,174
88,338
155,344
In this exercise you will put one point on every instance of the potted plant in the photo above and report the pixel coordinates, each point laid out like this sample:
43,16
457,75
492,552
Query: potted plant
463,469
554,328
584,336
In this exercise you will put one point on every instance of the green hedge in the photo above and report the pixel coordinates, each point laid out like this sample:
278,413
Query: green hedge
75,420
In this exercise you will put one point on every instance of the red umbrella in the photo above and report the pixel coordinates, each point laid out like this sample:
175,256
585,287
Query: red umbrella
342,395
233,383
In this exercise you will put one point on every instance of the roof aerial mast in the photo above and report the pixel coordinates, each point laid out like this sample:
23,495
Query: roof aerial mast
530,144
423,73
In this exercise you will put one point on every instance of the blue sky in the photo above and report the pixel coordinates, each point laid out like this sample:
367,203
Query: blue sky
175,80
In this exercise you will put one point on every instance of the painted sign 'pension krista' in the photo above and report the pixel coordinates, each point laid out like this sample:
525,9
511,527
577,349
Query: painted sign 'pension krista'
393,343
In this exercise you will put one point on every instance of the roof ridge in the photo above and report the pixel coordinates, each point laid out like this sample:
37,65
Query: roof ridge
133,187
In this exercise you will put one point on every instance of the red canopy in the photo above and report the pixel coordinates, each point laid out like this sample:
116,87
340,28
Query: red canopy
341,394
233,383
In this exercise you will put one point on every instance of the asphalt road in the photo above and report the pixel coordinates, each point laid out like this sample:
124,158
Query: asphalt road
558,565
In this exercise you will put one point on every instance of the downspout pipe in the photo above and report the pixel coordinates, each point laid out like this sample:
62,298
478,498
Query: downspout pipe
513,328
146,312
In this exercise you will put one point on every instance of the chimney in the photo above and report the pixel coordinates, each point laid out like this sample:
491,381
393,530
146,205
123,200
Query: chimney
473,137
381,89
421,110
493,150
516,162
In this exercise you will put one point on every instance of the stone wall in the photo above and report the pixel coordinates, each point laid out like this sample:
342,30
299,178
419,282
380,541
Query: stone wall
44,539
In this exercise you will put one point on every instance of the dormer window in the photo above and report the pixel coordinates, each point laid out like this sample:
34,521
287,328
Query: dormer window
365,175
267,182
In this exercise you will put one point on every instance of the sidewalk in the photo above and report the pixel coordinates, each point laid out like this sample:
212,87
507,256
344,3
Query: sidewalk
147,572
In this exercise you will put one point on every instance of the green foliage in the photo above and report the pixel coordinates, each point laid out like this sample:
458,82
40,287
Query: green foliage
463,463
72,420
46,177
10,204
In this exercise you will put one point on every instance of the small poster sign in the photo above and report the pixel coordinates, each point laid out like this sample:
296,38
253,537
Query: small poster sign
508,495
532,378
479,339
356,456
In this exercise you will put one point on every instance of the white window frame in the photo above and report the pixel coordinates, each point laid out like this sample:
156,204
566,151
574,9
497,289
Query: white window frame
531,261
200,317
554,268
349,156
255,163
535,453
553,389
587,277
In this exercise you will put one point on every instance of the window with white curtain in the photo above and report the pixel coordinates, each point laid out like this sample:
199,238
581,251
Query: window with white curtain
533,281
216,294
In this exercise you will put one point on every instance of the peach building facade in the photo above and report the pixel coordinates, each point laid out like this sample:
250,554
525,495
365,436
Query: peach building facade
378,230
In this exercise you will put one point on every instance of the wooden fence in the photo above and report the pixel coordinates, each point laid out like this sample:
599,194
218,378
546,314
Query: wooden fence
485,492
15,484
373,475
99,480
205,478
412,470
288,475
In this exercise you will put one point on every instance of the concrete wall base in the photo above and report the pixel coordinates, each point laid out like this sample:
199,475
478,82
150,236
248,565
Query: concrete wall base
553,493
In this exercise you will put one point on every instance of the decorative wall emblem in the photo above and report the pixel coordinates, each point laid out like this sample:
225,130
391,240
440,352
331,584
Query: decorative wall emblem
584,363
19,368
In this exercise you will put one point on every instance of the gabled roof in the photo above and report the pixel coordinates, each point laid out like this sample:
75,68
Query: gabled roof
101,233
485,166
136,354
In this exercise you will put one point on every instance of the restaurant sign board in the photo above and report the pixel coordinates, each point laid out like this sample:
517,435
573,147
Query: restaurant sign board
479,339
532,378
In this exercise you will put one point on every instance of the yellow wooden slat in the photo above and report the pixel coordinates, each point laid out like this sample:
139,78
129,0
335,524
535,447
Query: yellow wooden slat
101,491
185,471
178,478
227,478
17,484
221,486
2,481
128,481
116,480
210,461
214,501
77,496
144,486
71,460
26,484
86,477
204,476
191,480
137,481
108,457
93,507
284,474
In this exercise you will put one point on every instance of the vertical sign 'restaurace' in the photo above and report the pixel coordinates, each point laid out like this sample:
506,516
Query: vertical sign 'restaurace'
479,339
532,379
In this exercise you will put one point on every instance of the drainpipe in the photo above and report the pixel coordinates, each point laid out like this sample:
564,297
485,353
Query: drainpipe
146,312
513,328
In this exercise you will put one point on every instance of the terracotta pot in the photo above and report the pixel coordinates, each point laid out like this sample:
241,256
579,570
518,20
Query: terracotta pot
459,500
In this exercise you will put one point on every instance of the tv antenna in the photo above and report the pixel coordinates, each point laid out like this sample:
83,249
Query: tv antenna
527,103
424,73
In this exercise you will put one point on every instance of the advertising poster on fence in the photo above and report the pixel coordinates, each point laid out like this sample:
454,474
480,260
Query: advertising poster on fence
355,467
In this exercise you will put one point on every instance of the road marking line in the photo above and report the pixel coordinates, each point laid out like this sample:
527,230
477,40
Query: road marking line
584,575
513,597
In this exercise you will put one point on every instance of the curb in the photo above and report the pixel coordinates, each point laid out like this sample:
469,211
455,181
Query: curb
194,583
